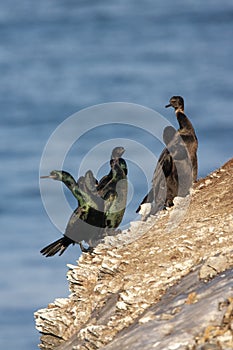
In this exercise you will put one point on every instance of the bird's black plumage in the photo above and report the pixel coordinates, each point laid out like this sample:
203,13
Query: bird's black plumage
186,132
98,207
58,246
106,180
113,188
177,165
164,182
87,220
115,194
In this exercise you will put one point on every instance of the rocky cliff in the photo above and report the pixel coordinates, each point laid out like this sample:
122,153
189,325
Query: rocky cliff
166,283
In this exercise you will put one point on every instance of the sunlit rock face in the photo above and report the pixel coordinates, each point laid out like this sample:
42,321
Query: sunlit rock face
165,283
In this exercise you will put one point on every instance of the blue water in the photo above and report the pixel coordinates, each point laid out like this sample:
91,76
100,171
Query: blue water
58,57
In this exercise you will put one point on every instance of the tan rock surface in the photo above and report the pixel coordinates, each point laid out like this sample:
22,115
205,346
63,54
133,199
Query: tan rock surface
115,286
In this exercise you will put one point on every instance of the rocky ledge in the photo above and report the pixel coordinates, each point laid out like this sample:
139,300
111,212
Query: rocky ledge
166,283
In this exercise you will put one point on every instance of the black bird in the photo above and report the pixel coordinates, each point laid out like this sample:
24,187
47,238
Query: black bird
97,209
105,182
113,188
177,164
87,221
186,131
164,183
115,194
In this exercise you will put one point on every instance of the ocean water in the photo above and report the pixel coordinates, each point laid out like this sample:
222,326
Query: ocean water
59,57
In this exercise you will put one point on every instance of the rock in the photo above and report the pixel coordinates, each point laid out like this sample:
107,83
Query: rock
161,284
213,266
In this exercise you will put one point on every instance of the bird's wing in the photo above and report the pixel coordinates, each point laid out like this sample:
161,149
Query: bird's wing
178,146
90,182
164,164
86,224
163,168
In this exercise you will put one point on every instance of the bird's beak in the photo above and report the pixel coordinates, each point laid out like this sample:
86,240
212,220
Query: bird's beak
169,105
48,177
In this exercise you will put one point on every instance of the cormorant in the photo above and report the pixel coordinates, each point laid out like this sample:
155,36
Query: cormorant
106,180
87,220
164,182
115,194
186,131
113,188
99,208
177,165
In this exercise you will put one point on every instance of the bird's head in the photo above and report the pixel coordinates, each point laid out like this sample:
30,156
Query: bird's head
176,102
55,175
117,152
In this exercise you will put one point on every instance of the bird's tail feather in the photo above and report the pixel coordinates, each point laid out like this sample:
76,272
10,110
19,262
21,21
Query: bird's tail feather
58,246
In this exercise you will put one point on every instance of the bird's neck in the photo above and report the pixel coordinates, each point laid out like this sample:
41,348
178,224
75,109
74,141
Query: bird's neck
69,181
179,109
183,121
